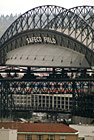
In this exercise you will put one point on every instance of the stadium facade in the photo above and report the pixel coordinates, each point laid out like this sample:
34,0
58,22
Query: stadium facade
47,62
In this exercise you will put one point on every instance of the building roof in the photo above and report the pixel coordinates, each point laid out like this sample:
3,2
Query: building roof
38,127
46,55
84,130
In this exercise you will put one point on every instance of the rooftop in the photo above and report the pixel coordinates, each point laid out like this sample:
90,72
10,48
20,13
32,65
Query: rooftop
38,127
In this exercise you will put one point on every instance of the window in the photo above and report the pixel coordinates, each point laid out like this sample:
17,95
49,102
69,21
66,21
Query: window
39,137
51,137
62,137
28,137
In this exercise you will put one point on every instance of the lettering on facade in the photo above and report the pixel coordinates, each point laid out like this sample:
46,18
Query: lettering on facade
39,39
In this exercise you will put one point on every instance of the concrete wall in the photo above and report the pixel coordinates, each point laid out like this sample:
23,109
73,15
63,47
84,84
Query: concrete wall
8,134
84,130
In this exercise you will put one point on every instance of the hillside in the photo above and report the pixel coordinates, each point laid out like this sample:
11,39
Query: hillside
6,21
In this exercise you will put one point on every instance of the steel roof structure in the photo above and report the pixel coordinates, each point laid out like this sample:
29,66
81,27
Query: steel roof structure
73,25
86,13
49,50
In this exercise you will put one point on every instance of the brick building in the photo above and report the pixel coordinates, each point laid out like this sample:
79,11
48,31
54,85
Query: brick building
41,131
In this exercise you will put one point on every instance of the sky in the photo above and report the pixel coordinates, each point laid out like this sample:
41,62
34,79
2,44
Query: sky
21,6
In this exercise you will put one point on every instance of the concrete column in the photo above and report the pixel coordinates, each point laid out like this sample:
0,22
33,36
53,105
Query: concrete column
64,102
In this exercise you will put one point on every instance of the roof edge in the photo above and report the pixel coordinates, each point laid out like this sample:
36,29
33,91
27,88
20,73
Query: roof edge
51,133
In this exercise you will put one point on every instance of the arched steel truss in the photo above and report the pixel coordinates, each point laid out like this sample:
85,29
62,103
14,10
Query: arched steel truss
60,19
35,18
54,18
61,40
74,28
86,13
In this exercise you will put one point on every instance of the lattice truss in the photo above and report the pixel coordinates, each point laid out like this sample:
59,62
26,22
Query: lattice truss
17,95
76,22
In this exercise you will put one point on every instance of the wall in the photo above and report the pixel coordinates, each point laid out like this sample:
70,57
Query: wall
8,134
57,137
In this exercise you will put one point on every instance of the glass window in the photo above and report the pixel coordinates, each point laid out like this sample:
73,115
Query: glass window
62,137
51,137
28,137
39,137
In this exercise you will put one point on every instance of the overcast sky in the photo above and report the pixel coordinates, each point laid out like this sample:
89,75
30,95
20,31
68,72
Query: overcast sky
21,6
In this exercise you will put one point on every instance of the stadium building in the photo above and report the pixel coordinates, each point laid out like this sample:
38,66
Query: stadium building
47,62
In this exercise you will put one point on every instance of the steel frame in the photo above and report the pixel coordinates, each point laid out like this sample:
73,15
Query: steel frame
86,13
52,18
77,82
74,29
40,17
